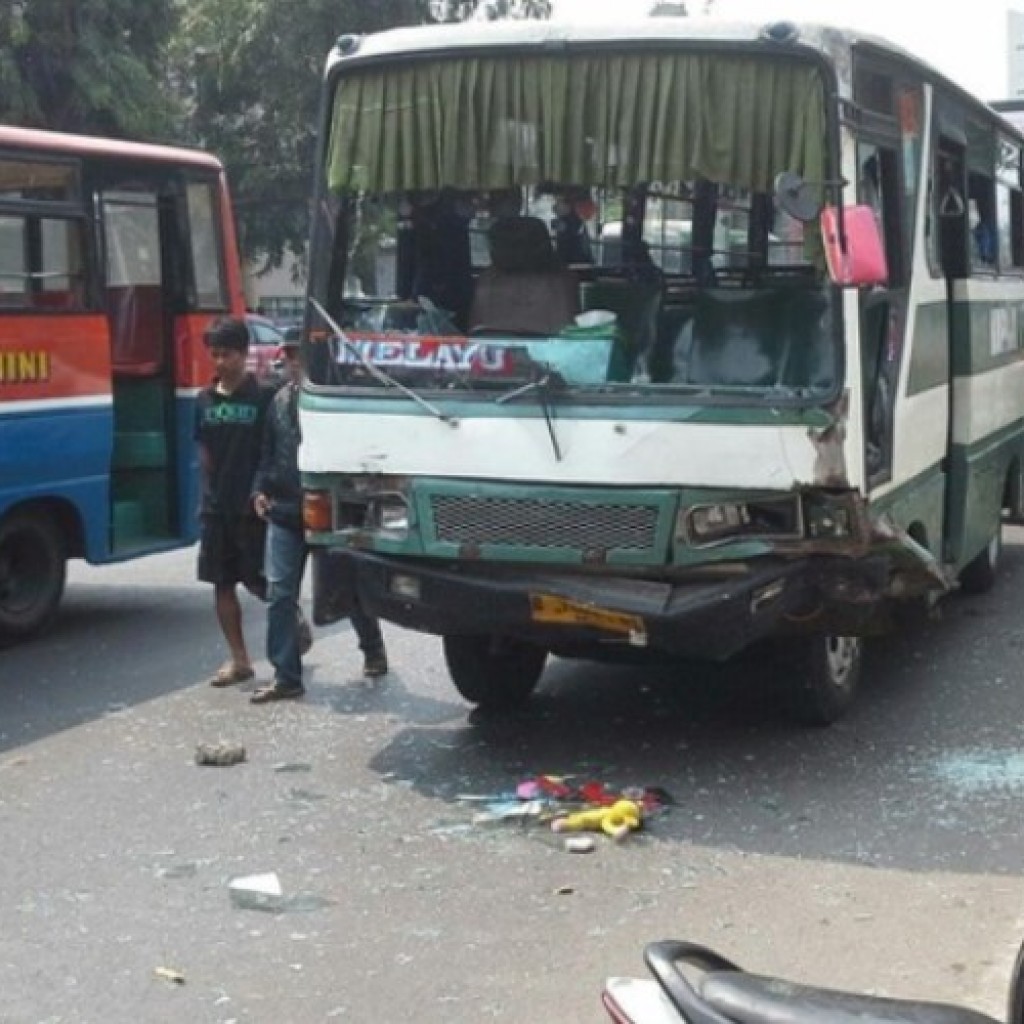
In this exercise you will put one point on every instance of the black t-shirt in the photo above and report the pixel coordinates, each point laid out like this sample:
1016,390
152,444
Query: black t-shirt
230,428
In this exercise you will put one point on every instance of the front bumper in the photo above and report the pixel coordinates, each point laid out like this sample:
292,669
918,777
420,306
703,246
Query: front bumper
595,615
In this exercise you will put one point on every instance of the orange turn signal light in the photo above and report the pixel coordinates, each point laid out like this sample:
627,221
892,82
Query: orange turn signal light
316,511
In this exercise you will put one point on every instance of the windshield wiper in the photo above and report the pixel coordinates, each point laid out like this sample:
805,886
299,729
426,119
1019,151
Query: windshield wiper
546,383
377,373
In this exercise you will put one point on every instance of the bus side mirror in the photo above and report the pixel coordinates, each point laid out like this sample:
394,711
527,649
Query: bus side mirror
854,250
796,197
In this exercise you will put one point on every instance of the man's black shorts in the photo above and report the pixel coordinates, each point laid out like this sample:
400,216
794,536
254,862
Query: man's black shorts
231,551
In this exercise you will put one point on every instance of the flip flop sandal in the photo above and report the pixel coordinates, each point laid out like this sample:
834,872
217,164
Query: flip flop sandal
228,675
270,693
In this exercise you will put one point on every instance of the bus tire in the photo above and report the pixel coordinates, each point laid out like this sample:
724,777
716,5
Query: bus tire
979,575
493,672
33,568
822,674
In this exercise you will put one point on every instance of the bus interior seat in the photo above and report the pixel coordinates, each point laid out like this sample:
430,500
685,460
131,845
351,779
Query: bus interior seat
731,338
443,265
67,299
670,340
526,289
763,338
48,299
137,329
636,305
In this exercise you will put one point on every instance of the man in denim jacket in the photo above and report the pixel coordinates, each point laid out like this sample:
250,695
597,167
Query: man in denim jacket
277,498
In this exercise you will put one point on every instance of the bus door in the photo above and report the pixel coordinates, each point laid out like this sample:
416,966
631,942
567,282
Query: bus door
982,343
138,227
883,311
952,221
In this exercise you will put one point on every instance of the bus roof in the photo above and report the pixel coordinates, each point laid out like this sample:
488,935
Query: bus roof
67,144
534,33
831,41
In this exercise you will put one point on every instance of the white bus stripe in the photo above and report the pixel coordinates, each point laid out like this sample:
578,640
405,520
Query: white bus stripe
55,404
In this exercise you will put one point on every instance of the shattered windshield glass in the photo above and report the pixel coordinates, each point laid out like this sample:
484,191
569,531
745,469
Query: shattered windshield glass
487,273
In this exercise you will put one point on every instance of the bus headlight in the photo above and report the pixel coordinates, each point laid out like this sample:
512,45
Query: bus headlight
768,518
368,505
316,511
708,523
389,513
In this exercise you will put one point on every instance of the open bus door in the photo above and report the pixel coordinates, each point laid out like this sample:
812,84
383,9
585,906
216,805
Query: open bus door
951,220
963,488
138,226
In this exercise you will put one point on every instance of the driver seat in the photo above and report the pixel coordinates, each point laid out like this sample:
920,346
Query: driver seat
526,289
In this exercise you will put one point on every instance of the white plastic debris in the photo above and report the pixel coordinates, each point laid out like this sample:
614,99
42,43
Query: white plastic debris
579,844
257,892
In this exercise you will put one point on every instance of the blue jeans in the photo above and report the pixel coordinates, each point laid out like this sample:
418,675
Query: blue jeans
285,563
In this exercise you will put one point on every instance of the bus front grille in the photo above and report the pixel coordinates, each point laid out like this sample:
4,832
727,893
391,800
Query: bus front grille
544,524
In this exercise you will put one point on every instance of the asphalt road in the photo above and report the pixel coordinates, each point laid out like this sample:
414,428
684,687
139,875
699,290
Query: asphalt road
885,853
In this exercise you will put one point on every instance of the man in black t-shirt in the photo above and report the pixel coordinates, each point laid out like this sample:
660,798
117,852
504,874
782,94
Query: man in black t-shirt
229,424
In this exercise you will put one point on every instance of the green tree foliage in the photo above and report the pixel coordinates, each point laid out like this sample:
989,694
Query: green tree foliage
489,10
91,66
254,95
254,87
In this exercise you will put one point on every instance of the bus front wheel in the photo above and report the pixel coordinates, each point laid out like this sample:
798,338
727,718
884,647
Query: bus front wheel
979,575
33,567
822,674
493,672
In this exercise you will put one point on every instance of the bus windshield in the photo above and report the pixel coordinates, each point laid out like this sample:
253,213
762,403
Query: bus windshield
486,220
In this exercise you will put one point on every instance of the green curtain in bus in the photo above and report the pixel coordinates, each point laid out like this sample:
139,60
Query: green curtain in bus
490,122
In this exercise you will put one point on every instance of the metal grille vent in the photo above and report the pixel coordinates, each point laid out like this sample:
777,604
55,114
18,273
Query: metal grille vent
541,523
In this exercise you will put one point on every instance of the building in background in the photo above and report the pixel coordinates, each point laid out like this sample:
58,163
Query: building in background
1015,54
279,293
1012,108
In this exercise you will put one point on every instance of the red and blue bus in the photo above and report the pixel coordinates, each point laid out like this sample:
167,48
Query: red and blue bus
114,258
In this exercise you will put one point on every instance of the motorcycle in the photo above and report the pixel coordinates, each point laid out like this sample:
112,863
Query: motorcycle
714,990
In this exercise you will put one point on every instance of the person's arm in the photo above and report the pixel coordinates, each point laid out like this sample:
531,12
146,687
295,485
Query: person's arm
261,501
204,461
202,452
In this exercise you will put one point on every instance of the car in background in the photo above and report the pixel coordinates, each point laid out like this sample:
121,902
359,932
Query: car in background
265,341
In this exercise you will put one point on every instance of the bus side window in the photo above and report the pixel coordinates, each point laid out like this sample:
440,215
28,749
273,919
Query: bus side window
1009,207
41,263
14,277
981,221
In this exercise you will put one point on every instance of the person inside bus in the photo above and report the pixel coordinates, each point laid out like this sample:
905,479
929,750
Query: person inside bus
983,236
277,499
230,414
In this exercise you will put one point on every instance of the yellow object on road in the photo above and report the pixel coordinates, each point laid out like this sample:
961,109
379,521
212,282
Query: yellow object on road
617,821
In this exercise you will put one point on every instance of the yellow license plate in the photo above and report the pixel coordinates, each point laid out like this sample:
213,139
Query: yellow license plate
559,611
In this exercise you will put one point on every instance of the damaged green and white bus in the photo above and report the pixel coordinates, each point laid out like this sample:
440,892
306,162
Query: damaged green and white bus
658,341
